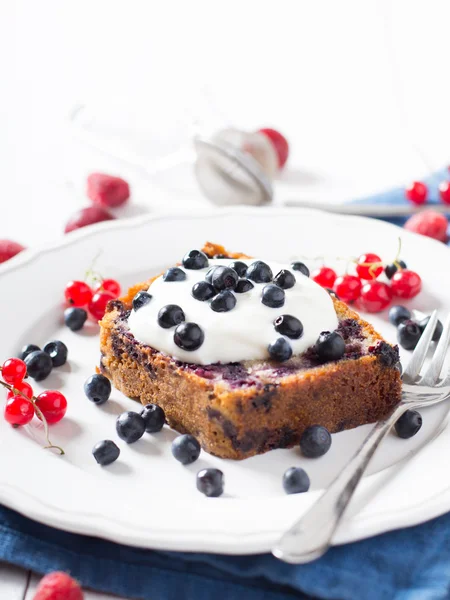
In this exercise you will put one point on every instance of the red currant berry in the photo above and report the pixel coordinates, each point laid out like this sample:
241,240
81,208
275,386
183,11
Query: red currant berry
280,144
109,285
368,266
348,287
88,216
18,411
324,277
417,192
375,296
8,249
23,387
14,370
52,404
97,305
78,293
444,192
429,223
406,284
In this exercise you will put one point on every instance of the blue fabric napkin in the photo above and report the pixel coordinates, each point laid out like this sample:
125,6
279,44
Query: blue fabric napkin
410,564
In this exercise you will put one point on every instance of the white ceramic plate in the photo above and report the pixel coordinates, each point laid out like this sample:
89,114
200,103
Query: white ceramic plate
148,499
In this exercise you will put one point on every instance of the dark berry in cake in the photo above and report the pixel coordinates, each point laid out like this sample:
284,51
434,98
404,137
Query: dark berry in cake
289,326
284,279
174,274
301,267
170,316
409,424
188,336
391,270
272,296
223,302
239,266
97,389
408,334
195,259
259,272
330,346
57,351
210,482
296,481
75,318
437,332
315,441
141,299
280,350
39,365
28,349
397,314
243,285
224,278
387,354
202,290
154,418
105,452
130,426
186,449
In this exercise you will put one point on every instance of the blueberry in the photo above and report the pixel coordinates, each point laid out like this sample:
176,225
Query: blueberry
186,449
243,285
105,452
437,332
170,316
299,266
188,336
289,326
57,351
210,482
272,296
39,365
130,426
141,299
28,349
240,267
391,270
408,334
174,274
315,441
154,418
97,389
223,302
397,314
284,279
224,278
195,259
409,424
280,350
296,481
259,272
330,346
75,318
209,273
202,290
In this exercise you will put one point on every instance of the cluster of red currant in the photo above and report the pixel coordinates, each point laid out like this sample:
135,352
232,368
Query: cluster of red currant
81,295
365,289
417,192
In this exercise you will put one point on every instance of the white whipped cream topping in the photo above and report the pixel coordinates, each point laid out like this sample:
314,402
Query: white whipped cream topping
243,333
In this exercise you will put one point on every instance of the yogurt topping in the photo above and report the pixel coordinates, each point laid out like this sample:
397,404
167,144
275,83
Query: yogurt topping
243,333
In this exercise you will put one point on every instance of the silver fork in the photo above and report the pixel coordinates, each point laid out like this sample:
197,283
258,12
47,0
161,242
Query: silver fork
311,535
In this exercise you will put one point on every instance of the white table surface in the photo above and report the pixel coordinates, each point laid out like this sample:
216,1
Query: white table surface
359,88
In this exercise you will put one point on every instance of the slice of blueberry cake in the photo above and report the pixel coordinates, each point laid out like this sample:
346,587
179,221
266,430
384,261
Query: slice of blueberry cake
246,353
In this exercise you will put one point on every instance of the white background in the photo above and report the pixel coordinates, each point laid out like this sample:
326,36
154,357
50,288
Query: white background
360,89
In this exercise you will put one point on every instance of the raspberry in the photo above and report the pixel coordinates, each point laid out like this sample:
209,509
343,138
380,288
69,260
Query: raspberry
58,586
8,249
87,216
429,223
106,190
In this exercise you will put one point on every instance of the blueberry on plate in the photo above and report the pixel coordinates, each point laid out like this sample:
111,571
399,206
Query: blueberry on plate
97,389
397,314
243,285
210,482
170,316
130,426
202,290
240,267
28,349
272,296
315,441
391,270
105,452
284,279
280,350
408,424
75,318
141,299
223,302
224,278
289,326
437,332
408,334
301,267
188,336
174,274
154,418
39,365
296,481
259,272
195,259
186,449
57,351
330,346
